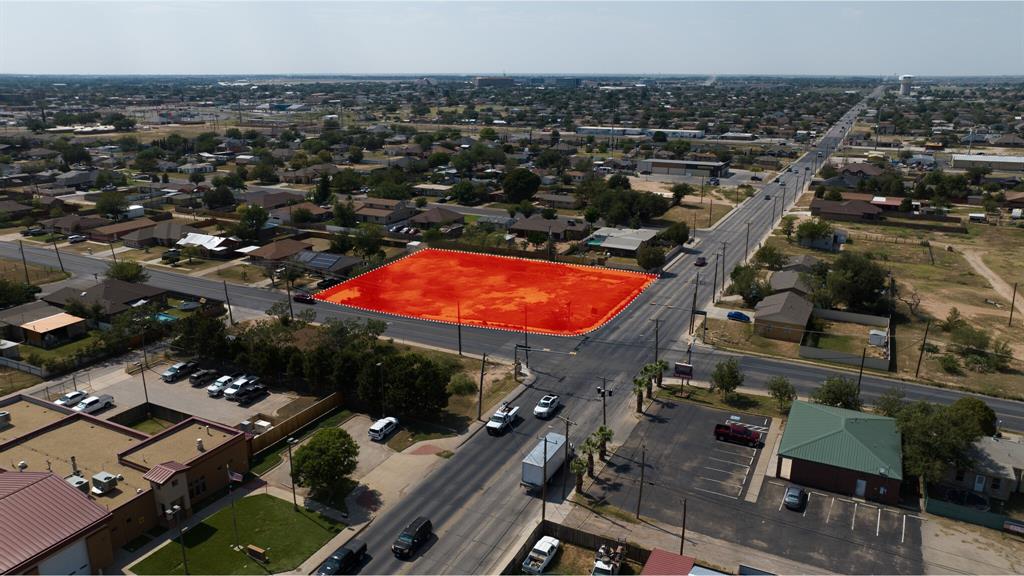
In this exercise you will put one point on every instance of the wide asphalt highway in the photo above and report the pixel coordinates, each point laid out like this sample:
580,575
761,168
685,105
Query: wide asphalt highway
474,500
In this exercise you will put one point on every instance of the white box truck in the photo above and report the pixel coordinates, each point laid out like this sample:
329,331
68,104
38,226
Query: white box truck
533,465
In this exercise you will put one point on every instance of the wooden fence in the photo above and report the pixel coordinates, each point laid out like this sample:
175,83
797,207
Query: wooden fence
289,426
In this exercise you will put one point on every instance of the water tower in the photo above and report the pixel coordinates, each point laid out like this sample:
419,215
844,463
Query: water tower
905,81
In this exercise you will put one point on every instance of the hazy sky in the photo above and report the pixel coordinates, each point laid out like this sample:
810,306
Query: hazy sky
251,37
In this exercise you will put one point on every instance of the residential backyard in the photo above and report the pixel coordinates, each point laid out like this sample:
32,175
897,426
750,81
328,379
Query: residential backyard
14,271
289,537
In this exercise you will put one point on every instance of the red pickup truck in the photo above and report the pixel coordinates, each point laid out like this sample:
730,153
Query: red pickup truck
738,434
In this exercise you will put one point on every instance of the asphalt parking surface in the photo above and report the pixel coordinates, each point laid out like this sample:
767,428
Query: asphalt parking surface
683,460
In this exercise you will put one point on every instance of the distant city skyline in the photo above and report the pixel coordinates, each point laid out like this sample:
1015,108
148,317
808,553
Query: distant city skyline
513,38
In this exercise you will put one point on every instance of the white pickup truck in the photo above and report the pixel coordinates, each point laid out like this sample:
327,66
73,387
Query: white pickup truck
503,419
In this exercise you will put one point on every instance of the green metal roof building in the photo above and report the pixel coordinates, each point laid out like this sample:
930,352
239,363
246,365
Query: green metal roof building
843,451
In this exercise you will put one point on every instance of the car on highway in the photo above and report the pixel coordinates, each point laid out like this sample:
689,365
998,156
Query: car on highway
76,238
220,384
344,560
767,196
94,404
701,261
737,316
382,428
795,498
304,298
178,371
71,399
547,406
412,537
756,178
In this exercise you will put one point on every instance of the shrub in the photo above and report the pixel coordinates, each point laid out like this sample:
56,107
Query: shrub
949,364
461,385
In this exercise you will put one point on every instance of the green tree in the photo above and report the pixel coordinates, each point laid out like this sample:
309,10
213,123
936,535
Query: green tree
833,195
603,435
619,181
191,252
15,293
325,462
218,197
578,467
838,391
858,281
340,243
196,178
639,386
251,219
415,386
680,191
355,154
588,448
788,225
814,229
891,403
676,234
322,193
112,203
974,413
650,257
726,377
345,214
769,257
201,335
520,184
368,239
780,388
127,271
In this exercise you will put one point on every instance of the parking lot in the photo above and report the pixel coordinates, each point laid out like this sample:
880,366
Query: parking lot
845,517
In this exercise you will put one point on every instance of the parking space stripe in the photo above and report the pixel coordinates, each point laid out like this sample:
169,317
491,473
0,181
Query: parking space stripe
830,510
718,493
718,481
783,501
903,533
719,470
854,519
728,462
878,523
808,505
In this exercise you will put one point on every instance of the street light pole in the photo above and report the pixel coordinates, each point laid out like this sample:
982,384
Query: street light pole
643,465
604,392
544,481
657,338
746,245
291,473
565,471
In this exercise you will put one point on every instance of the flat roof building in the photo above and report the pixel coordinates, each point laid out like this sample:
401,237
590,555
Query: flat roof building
996,163
683,167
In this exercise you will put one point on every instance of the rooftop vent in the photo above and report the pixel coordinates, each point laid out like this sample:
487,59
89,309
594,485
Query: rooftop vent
5,420
103,483
78,482
199,444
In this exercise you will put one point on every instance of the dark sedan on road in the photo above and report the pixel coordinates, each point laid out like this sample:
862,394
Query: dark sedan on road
304,298
701,261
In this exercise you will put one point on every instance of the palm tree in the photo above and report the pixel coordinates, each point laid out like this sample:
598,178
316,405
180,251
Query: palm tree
589,447
578,466
604,435
659,371
640,384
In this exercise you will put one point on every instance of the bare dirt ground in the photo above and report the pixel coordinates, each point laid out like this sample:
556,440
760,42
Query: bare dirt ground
949,546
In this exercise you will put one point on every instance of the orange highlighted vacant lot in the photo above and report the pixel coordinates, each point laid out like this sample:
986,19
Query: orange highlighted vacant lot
493,292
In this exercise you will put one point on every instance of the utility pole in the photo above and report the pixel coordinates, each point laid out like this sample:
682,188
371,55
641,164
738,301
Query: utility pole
746,246
57,250
714,281
693,307
544,486
1013,302
682,533
24,262
565,472
711,204
231,317
604,392
526,338
923,344
480,390
288,290
860,374
112,254
459,303
643,465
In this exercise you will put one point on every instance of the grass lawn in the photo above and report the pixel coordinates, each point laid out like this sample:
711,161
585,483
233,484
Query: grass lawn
14,271
690,208
12,380
241,273
60,351
736,402
267,459
603,508
265,521
152,425
740,336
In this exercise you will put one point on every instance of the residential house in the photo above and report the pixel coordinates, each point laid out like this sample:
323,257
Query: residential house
436,217
112,232
804,263
996,468
1013,200
436,190
560,228
77,178
209,246
789,280
557,201
40,324
196,168
11,210
308,175
113,296
40,154
283,215
620,241
326,263
383,210
270,200
854,453
279,250
1008,141
73,224
849,210
164,233
782,316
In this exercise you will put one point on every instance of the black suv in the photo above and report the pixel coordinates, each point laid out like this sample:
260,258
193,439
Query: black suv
344,560
414,535
201,378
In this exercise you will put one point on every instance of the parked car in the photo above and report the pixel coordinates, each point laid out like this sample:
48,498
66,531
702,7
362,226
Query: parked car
344,560
547,406
328,282
304,298
737,433
71,399
94,404
250,394
202,378
541,555
737,316
178,371
220,384
795,498
701,261
382,428
412,537
76,238
235,388
756,178
33,232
